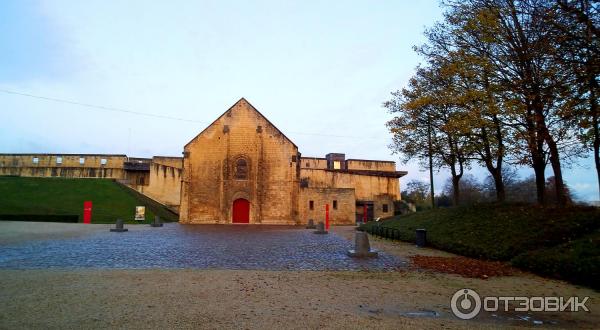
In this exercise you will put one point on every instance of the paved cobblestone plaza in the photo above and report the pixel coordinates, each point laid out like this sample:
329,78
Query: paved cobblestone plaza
200,247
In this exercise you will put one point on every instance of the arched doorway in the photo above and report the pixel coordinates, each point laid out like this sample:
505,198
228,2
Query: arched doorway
241,211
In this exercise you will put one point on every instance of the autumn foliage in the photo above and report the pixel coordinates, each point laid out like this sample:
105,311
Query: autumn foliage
502,82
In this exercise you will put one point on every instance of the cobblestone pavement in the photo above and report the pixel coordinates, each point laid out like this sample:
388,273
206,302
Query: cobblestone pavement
195,246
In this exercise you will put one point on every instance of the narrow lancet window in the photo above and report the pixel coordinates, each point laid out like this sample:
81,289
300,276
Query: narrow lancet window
241,169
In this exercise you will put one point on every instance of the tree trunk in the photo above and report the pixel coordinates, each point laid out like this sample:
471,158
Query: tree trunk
536,145
456,181
455,190
597,159
593,87
430,162
596,138
540,180
534,107
495,171
544,133
498,179
561,198
499,183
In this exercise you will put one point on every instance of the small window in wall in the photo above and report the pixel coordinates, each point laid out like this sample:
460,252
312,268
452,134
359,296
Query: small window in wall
337,165
103,161
307,164
304,183
58,160
241,169
81,160
335,205
311,205
385,208
35,160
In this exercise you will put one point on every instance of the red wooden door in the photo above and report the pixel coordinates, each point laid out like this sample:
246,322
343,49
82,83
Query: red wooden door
241,211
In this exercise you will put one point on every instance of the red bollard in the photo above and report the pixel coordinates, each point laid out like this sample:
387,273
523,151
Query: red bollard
87,212
327,217
365,207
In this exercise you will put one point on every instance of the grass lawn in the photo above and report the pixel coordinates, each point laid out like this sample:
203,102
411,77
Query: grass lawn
60,196
562,243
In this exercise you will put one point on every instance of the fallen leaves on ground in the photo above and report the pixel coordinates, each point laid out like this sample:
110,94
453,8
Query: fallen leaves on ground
462,266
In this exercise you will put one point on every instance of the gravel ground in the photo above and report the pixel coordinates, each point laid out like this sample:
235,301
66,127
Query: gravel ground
258,299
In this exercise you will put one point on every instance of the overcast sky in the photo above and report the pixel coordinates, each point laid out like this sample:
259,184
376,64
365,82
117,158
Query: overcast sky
318,70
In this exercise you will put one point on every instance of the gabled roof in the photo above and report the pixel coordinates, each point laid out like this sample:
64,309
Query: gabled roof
253,108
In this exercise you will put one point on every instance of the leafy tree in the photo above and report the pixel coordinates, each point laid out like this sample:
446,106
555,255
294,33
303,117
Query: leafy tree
425,116
551,186
492,89
475,94
523,191
471,190
513,37
576,31
509,178
417,192
443,200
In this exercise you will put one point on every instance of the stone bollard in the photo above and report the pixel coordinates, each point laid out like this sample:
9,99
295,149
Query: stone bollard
421,237
119,227
362,248
156,222
320,228
311,224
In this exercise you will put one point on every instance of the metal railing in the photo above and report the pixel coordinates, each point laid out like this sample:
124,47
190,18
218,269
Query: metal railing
384,232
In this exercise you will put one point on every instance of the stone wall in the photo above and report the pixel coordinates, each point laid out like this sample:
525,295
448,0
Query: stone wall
176,162
371,165
342,214
214,176
137,173
313,162
368,188
138,180
350,164
379,201
165,177
63,165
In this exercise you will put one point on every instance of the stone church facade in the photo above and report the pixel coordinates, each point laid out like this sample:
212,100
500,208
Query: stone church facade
242,169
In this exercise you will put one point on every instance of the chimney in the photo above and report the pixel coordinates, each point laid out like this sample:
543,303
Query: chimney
336,161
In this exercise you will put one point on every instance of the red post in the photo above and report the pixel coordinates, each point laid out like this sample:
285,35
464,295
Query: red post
365,208
87,212
327,217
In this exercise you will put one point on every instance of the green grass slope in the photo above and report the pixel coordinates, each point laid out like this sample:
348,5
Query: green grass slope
562,243
60,196
577,261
